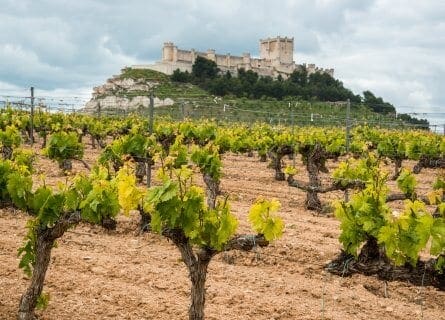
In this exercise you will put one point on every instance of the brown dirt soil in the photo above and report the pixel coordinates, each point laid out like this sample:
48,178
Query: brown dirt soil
98,274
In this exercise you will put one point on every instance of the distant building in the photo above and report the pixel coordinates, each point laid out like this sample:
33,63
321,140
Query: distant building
276,57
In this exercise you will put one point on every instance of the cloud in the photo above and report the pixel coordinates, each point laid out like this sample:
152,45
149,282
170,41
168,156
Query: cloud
393,48
397,54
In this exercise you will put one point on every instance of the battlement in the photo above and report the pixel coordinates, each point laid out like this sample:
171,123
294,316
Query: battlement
278,38
276,58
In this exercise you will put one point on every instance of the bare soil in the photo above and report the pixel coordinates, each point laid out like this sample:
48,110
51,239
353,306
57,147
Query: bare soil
99,274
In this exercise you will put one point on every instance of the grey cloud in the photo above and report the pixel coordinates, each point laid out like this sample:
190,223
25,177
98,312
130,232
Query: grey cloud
393,48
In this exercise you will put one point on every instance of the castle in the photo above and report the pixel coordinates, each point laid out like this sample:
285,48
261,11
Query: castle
276,58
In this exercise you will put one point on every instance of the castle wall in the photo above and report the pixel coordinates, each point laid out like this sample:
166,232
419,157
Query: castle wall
221,60
276,57
312,68
166,67
234,61
184,55
201,54
211,55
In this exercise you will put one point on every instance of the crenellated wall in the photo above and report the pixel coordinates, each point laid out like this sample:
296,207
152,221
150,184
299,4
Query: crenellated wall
276,58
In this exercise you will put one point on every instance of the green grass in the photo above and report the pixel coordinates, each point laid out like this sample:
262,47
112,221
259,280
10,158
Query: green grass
145,74
194,102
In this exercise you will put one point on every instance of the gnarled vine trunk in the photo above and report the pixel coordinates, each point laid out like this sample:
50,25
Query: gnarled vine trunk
44,137
397,168
7,152
101,143
140,170
312,201
276,154
198,275
108,223
145,217
116,166
31,137
144,222
28,302
93,142
66,165
425,162
373,261
44,244
315,159
197,263
166,141
371,251
212,190
263,157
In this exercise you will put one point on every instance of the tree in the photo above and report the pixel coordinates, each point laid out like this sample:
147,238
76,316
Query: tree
228,75
248,76
179,76
377,104
204,69
219,86
299,76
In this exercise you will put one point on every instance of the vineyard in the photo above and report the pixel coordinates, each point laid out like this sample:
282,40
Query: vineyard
101,219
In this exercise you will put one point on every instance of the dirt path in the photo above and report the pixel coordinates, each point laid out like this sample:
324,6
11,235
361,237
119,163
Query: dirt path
95,274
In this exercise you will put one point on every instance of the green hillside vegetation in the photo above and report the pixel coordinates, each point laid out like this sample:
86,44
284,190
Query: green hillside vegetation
143,74
165,89
300,100
317,86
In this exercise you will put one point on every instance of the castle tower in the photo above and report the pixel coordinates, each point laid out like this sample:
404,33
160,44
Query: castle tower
278,50
211,55
169,52
246,58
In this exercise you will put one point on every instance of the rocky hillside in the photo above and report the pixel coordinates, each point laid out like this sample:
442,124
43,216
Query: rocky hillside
128,91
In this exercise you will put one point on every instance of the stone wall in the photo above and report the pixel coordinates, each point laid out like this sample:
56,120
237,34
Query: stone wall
312,68
184,55
276,58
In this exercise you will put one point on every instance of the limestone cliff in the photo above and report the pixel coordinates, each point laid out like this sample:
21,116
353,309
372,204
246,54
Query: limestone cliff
127,92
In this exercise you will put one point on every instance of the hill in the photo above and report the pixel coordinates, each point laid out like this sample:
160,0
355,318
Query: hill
186,95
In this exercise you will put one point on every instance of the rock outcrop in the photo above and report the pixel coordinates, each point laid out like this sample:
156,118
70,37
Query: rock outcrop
120,94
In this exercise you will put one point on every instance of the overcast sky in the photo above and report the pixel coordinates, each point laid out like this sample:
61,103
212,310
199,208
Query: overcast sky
394,48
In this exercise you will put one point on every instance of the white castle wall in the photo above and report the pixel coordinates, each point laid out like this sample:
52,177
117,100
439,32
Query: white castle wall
276,58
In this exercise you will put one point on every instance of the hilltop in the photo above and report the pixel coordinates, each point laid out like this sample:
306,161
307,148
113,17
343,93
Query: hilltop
184,94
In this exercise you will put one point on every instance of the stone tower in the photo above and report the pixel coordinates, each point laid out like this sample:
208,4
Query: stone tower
278,50
169,52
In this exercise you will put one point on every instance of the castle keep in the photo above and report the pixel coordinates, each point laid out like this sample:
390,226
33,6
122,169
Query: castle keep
276,57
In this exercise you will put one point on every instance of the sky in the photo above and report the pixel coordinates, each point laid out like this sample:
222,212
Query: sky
394,48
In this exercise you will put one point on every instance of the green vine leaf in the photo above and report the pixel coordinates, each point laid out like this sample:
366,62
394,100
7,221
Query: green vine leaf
263,219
